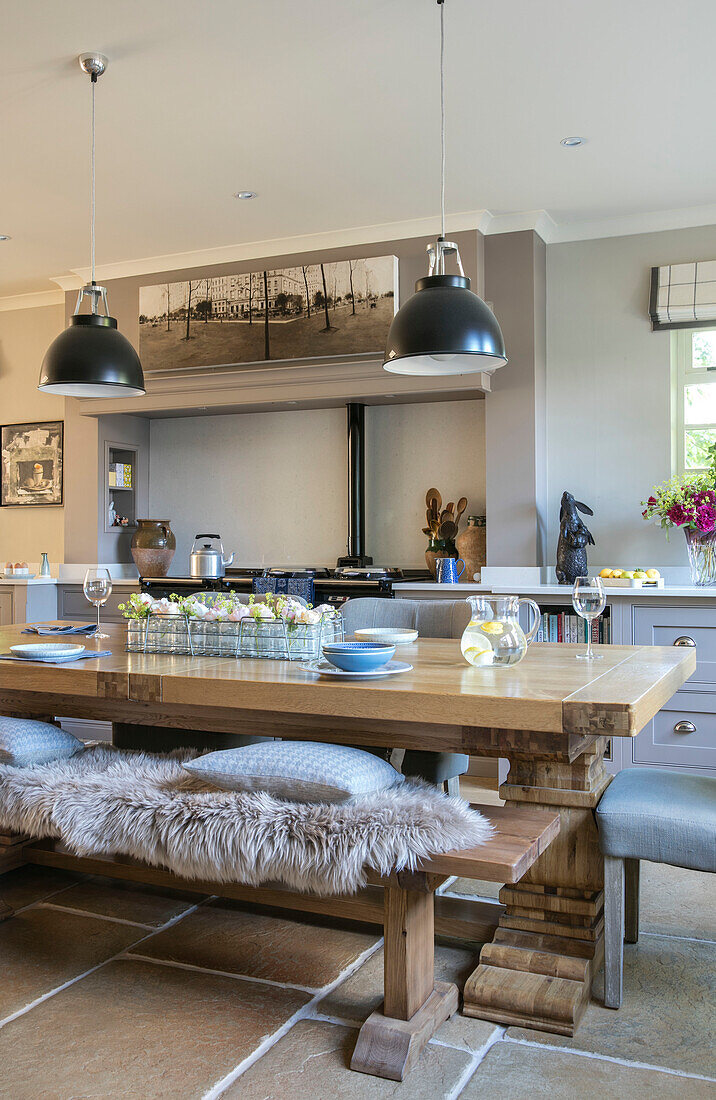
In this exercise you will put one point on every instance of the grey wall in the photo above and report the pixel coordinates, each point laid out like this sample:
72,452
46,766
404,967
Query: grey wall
275,484
131,431
515,418
608,388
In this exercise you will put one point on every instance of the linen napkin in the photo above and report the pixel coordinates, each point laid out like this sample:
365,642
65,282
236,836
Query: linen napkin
89,629
54,660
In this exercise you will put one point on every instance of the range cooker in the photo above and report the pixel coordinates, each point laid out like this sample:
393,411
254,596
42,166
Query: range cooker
318,584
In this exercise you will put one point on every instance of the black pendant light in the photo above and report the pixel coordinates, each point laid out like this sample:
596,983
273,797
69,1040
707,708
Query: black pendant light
444,328
91,358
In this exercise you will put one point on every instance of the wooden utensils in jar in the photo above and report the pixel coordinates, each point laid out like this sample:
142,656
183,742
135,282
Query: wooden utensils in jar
442,526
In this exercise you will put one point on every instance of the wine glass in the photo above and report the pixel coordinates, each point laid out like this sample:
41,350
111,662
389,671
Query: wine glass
589,600
97,588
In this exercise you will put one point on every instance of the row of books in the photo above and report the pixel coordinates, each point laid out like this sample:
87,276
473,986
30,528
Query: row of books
120,475
564,626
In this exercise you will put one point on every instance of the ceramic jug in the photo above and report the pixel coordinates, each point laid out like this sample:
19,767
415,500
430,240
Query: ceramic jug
494,638
446,570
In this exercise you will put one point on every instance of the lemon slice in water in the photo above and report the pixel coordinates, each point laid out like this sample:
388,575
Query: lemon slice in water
480,654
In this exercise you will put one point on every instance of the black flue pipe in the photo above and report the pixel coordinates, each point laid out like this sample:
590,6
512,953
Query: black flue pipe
356,487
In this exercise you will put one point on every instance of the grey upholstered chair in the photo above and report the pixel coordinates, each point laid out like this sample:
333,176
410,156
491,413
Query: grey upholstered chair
648,813
433,619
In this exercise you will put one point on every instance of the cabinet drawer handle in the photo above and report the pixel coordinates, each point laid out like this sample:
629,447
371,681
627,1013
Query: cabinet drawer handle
684,727
685,640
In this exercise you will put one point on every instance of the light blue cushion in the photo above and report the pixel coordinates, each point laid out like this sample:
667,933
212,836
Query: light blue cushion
299,771
24,742
650,813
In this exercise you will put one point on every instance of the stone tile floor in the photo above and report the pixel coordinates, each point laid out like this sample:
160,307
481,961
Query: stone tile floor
117,991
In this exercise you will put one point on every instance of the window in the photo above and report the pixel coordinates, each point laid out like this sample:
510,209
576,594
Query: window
695,397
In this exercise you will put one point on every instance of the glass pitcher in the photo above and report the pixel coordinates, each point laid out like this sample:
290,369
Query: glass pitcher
494,638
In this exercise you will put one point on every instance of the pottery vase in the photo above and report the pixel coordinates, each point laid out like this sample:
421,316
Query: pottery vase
153,546
471,546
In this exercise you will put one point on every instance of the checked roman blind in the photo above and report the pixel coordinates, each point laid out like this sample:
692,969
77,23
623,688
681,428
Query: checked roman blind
683,295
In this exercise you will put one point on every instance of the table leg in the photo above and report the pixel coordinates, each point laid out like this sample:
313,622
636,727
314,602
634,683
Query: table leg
537,972
415,1005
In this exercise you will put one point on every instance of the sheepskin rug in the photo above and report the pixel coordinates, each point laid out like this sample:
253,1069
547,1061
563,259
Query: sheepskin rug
107,801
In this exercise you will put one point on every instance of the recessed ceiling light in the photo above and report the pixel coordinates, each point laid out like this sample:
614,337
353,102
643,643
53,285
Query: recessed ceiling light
245,195
570,142
5,237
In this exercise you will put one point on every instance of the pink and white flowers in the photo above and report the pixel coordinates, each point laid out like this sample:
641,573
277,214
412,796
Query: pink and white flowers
228,609
261,611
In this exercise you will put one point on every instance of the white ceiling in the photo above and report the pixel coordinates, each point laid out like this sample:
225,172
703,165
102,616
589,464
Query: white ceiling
330,111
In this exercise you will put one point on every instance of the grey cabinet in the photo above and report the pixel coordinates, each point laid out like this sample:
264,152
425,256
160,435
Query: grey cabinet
6,607
694,626
683,734
71,604
27,603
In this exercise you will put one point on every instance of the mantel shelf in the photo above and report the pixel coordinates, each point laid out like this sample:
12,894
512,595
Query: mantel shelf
308,383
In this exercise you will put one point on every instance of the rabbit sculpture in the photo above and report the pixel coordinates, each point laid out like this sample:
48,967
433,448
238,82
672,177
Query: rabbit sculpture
574,537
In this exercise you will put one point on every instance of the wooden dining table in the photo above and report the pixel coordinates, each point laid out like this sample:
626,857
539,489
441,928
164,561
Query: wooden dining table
551,717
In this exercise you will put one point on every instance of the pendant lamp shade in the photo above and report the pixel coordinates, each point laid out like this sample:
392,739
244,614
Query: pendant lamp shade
91,358
444,329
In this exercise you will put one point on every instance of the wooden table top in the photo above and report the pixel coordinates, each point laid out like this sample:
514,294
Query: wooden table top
549,691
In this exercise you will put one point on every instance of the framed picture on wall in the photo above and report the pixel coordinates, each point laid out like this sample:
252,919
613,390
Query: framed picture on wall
32,463
311,311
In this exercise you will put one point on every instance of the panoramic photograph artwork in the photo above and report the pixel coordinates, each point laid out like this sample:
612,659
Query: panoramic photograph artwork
303,312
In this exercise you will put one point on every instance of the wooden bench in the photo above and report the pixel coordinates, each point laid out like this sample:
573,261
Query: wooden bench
415,1005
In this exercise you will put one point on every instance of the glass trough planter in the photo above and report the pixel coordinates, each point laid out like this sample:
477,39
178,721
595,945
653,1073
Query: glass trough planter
273,639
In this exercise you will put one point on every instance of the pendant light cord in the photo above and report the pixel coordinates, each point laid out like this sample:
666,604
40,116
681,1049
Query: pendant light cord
441,4
92,185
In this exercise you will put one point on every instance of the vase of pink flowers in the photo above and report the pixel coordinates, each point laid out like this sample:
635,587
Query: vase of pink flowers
689,502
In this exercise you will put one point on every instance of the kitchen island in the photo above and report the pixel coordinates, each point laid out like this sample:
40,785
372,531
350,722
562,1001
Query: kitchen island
550,716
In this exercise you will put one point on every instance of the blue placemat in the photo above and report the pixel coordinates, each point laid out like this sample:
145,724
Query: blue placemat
88,629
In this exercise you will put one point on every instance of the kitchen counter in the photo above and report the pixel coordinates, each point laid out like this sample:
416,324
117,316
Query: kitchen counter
404,589
31,582
28,581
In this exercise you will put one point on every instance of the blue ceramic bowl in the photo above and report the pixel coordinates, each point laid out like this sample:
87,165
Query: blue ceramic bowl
358,656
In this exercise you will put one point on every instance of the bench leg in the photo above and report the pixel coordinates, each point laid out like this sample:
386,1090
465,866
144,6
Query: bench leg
613,930
538,970
631,901
415,1006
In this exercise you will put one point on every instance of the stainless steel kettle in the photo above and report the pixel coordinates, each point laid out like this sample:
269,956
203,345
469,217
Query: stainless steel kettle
207,561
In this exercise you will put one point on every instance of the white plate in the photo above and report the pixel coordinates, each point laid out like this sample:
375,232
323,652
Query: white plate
48,651
391,634
325,668
19,576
